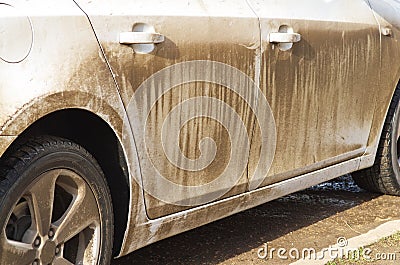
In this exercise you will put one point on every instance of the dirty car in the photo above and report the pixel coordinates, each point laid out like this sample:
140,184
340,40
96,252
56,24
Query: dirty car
126,122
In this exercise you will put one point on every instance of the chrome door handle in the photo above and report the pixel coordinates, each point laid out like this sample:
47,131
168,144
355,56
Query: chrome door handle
140,38
284,37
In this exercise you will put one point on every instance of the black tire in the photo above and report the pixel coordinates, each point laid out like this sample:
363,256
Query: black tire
80,222
384,175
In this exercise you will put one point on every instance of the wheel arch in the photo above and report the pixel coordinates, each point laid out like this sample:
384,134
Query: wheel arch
100,139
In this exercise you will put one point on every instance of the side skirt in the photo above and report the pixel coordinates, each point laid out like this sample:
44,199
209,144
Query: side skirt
157,229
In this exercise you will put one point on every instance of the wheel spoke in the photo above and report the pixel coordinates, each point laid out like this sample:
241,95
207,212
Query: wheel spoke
16,253
81,213
61,261
42,194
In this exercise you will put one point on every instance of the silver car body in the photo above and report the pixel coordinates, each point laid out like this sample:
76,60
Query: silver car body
212,114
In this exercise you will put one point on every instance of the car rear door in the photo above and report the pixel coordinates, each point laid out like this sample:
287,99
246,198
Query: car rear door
184,69
320,61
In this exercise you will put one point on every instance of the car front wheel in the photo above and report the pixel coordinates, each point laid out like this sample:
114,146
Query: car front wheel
55,205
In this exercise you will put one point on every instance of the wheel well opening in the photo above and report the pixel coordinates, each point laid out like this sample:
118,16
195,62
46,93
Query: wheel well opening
95,135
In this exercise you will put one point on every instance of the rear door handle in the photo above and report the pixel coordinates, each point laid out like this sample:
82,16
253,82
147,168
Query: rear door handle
283,37
140,38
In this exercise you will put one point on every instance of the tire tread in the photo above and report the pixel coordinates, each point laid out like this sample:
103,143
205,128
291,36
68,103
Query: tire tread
381,178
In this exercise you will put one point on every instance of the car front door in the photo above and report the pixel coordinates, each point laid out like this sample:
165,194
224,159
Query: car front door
320,61
186,72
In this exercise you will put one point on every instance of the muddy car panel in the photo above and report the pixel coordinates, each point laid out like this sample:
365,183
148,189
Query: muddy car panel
319,89
193,31
33,86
